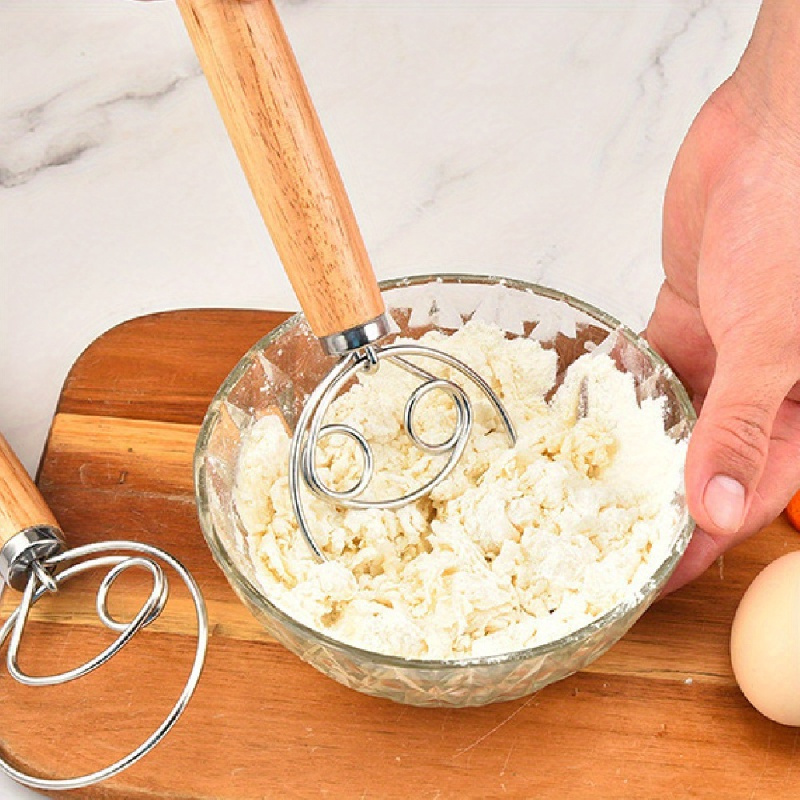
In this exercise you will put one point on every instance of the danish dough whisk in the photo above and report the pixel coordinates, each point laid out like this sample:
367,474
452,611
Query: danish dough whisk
264,102
35,560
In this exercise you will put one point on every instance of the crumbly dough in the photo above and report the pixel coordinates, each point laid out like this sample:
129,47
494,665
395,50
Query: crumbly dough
517,547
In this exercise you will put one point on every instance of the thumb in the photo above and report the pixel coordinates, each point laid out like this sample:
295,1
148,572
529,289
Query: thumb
730,443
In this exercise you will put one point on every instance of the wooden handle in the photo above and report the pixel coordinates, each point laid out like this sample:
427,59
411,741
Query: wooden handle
21,505
265,105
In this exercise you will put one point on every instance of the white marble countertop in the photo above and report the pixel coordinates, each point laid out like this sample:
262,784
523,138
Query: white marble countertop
530,138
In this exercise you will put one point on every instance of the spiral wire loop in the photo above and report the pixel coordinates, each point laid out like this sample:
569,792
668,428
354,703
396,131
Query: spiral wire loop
43,578
310,429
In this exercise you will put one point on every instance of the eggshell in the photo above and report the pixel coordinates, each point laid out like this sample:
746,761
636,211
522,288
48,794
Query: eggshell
765,641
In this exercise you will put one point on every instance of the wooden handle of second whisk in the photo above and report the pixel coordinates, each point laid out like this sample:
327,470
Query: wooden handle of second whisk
21,505
271,121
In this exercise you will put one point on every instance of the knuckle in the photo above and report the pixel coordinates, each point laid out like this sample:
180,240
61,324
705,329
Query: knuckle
742,440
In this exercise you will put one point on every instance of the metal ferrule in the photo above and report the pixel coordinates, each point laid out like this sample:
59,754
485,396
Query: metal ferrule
337,344
36,543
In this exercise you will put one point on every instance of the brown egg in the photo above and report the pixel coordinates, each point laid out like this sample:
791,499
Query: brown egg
765,641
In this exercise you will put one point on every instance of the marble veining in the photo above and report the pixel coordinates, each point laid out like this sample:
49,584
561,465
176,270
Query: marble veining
53,132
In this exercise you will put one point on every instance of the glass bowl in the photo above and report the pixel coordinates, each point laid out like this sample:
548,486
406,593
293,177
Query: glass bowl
278,373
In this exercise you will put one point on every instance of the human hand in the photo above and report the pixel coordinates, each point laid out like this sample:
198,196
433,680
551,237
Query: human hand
727,318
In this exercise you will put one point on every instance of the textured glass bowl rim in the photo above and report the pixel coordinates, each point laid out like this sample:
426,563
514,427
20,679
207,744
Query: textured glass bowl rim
259,600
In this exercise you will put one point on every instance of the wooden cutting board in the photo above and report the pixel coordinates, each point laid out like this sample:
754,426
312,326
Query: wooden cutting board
658,716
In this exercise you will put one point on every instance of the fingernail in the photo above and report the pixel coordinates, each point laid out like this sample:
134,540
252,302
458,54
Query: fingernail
724,502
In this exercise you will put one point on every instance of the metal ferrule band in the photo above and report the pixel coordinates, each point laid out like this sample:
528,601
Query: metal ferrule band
36,543
337,344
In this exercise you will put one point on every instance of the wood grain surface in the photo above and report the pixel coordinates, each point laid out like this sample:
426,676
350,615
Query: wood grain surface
21,505
263,100
658,716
